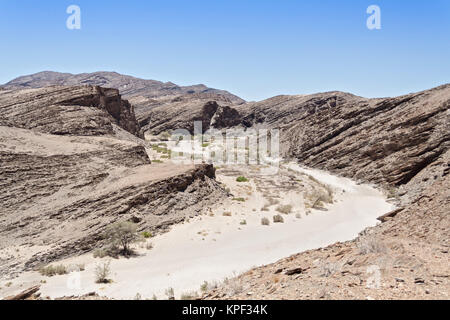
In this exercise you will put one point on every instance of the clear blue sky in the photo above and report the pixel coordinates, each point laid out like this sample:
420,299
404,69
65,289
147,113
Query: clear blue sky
253,48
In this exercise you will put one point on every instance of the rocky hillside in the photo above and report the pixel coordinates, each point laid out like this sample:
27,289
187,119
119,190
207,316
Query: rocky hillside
391,141
72,164
139,90
181,113
144,95
401,143
83,111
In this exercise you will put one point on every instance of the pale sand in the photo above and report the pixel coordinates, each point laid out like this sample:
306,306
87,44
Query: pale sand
210,248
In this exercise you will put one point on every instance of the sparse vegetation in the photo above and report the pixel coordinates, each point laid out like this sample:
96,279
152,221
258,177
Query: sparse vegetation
162,149
170,293
122,234
265,221
204,287
103,252
239,199
327,269
298,216
278,219
368,245
51,271
227,214
241,179
102,273
79,267
157,161
165,136
318,198
392,192
235,287
189,295
147,234
286,209
243,222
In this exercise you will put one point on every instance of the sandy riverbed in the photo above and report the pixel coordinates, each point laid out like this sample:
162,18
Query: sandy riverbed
210,248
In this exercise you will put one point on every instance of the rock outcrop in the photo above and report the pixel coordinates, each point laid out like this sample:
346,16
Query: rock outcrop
71,167
401,143
182,113
68,110
394,142
140,91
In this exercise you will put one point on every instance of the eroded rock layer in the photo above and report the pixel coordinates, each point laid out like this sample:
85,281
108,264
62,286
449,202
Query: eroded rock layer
70,169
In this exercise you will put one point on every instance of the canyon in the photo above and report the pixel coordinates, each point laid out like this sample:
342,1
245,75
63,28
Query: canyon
75,159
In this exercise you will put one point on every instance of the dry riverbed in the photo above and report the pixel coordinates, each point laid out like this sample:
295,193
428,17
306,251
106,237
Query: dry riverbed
317,209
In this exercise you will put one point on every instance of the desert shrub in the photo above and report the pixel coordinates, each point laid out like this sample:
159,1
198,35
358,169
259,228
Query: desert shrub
189,295
278,219
241,179
243,222
147,234
368,245
157,161
298,216
327,269
392,193
227,214
235,287
265,221
170,293
204,287
100,253
102,273
239,199
123,234
51,271
284,209
76,267
165,136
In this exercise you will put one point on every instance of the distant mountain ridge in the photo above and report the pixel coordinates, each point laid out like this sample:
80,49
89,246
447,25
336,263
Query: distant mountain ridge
128,86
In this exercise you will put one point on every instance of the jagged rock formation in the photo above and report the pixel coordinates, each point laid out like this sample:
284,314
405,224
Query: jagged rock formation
70,167
68,110
144,95
398,142
139,91
182,114
385,141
